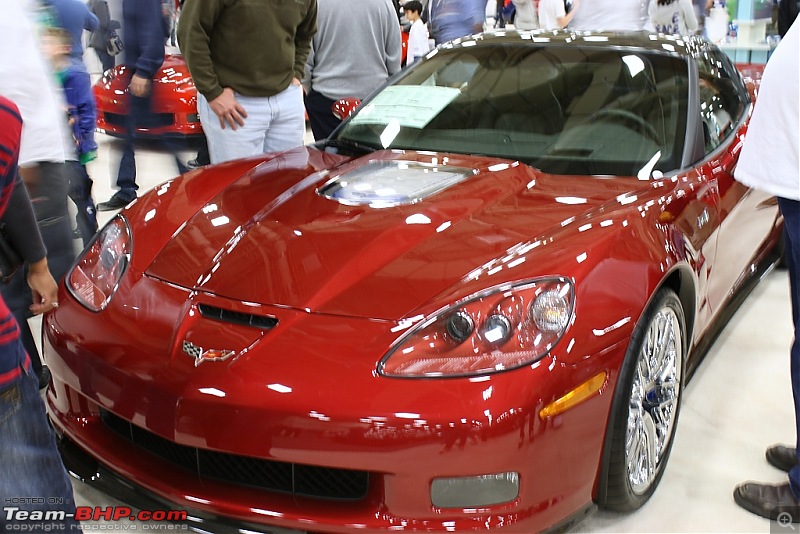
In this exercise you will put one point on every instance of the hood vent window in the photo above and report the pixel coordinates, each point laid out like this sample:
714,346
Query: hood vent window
227,316
392,183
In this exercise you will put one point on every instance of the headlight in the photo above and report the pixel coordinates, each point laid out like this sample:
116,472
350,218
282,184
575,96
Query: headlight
502,328
96,275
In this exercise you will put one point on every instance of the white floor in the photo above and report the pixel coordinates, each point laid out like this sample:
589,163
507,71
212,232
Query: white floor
737,404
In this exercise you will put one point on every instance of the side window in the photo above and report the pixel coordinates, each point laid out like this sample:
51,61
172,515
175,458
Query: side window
722,98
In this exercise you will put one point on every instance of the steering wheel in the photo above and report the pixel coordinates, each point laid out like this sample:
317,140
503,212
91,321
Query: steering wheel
630,117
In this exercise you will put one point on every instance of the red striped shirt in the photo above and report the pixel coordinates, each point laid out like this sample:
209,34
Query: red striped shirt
12,356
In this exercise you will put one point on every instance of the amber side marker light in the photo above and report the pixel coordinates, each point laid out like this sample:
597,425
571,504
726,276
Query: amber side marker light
575,396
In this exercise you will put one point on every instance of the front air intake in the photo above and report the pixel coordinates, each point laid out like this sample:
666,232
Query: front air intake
263,322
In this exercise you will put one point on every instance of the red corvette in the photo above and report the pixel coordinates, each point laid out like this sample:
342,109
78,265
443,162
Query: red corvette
174,101
474,307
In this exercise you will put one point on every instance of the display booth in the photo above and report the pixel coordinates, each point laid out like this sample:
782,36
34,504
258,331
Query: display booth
750,45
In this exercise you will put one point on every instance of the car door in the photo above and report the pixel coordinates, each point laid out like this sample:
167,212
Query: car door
746,216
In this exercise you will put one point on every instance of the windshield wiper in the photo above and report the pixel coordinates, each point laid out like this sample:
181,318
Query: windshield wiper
349,145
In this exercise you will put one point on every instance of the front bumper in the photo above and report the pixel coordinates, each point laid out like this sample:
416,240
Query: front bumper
402,433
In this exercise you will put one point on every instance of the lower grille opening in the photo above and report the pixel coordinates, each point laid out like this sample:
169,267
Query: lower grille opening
155,120
284,477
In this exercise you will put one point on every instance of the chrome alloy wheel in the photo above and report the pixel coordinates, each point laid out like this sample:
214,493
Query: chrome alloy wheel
653,406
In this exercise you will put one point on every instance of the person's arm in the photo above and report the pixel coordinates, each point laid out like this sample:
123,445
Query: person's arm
150,37
689,15
302,41
90,21
566,18
393,44
195,26
23,235
21,230
476,14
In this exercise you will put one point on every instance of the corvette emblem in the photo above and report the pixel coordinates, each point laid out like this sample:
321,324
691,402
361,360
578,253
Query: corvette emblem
200,355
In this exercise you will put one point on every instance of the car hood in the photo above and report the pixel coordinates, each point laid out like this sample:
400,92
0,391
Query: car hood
271,236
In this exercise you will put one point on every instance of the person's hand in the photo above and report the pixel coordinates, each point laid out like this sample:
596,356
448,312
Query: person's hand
296,82
139,86
228,109
43,287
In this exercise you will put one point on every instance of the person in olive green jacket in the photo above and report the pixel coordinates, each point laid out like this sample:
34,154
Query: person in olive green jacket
247,59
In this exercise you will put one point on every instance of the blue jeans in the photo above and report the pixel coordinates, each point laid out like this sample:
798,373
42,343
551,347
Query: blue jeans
790,209
32,476
273,123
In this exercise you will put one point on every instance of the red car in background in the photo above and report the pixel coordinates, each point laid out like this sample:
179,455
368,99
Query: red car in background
174,101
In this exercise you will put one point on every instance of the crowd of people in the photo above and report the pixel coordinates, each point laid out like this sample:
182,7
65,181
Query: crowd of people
251,100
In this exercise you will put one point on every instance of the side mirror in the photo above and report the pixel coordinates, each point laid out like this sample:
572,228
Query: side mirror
345,107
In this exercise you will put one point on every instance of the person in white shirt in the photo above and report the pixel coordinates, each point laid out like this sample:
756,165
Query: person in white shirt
770,161
418,34
673,16
611,15
553,14
525,18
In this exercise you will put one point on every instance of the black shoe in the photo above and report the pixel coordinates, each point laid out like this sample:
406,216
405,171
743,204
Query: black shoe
782,457
193,163
114,203
776,502
44,377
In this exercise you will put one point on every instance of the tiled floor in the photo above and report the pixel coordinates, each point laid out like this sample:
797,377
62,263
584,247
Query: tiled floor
737,404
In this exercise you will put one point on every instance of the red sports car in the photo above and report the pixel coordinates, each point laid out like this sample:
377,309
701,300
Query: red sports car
174,101
474,307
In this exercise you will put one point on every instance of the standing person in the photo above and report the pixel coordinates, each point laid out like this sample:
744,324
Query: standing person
32,472
27,80
673,16
143,26
418,34
773,131
345,63
250,101
553,14
83,115
525,18
451,19
99,38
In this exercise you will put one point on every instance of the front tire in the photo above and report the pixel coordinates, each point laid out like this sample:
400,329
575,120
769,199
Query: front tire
645,408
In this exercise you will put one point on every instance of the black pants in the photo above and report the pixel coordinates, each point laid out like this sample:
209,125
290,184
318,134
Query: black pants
80,192
320,115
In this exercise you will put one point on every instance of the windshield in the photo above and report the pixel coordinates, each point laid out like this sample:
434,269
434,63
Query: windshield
563,109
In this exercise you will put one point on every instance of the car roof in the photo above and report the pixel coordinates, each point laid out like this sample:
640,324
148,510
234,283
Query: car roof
679,45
